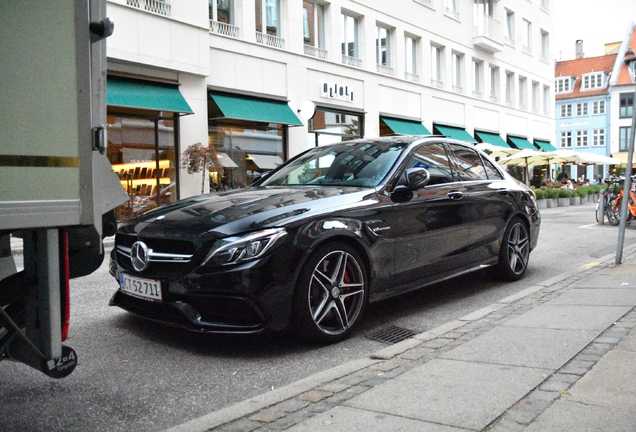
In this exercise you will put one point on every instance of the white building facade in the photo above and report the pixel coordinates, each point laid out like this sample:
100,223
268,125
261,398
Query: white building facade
263,80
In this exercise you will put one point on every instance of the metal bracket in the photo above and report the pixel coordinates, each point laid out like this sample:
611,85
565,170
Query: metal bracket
99,139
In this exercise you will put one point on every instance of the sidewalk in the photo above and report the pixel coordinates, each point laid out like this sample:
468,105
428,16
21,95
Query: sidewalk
559,356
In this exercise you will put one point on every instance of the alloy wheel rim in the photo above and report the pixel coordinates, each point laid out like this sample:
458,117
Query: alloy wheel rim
518,248
336,292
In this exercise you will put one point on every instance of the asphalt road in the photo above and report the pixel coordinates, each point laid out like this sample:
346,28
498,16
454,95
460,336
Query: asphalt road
137,375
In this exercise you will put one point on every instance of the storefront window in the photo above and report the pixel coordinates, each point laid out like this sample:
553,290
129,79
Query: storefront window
142,152
245,153
328,127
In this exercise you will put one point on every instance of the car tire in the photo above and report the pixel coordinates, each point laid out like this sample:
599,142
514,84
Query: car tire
331,294
513,253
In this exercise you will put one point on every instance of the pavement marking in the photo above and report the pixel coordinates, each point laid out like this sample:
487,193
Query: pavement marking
590,265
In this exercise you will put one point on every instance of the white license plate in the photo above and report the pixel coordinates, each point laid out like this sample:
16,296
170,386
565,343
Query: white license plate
145,288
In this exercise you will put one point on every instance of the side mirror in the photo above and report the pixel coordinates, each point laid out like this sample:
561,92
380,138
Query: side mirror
417,178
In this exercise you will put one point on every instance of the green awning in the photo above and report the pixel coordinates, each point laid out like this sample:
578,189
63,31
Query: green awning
544,145
455,133
405,127
492,138
131,93
521,143
237,107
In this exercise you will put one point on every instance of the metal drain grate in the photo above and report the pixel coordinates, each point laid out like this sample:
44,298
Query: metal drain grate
392,334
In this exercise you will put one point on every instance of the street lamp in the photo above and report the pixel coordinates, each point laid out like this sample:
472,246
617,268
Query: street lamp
628,180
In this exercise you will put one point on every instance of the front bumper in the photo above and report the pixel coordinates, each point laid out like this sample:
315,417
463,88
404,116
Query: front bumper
250,299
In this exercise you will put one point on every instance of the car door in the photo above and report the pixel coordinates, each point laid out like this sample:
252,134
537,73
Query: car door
429,228
486,198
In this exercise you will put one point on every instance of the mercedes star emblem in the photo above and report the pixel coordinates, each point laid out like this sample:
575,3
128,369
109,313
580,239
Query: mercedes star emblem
139,256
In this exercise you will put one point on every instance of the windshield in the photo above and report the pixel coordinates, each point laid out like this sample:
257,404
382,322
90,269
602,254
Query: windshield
353,163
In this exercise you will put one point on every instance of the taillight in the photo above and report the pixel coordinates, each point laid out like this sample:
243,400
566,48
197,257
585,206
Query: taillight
65,292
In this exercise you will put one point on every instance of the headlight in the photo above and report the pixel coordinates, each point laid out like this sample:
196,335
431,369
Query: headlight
235,250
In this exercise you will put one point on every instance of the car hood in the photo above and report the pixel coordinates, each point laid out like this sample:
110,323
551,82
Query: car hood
228,213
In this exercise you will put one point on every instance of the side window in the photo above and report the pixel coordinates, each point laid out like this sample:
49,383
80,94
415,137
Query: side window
468,163
433,157
493,173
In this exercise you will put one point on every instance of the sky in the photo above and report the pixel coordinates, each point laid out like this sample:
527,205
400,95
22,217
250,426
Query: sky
595,22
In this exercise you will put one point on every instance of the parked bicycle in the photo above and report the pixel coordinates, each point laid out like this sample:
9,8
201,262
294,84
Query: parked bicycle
613,199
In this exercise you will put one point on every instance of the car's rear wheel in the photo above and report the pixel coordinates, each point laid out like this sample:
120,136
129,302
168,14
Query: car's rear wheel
514,252
331,293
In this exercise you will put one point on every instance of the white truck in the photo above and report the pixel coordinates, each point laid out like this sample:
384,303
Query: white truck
57,189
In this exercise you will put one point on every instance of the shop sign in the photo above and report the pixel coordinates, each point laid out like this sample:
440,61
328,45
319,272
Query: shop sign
336,91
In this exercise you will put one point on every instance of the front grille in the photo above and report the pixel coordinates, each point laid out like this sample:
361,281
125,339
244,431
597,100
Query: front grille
165,261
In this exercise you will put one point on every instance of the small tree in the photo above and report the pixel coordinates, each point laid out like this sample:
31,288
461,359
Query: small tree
199,158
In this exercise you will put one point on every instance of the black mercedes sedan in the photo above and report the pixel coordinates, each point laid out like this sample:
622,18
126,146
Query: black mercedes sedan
307,246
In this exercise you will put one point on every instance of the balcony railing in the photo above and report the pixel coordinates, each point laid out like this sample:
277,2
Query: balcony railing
224,29
313,51
485,25
161,7
411,77
458,89
437,84
269,40
487,33
351,61
386,70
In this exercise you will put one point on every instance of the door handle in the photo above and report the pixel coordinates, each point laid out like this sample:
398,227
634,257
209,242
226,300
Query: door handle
455,195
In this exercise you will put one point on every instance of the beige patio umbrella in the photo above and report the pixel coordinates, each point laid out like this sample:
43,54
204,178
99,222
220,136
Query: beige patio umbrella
496,151
529,158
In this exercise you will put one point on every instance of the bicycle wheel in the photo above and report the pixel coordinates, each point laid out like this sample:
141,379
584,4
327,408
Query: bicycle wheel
613,212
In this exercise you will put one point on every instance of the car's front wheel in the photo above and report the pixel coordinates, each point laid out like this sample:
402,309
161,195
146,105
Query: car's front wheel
331,293
514,252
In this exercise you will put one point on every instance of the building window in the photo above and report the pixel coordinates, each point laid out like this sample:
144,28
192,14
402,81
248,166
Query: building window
546,100
143,153
494,84
566,139
592,81
598,107
457,72
566,110
581,109
383,50
436,66
349,39
510,92
626,105
410,58
598,137
527,36
522,92
222,17
451,8
535,97
581,138
623,136
314,29
545,45
477,78
563,85
510,28
332,126
268,30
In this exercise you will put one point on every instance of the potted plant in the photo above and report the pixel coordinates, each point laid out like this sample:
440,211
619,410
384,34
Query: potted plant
551,200
541,195
563,197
